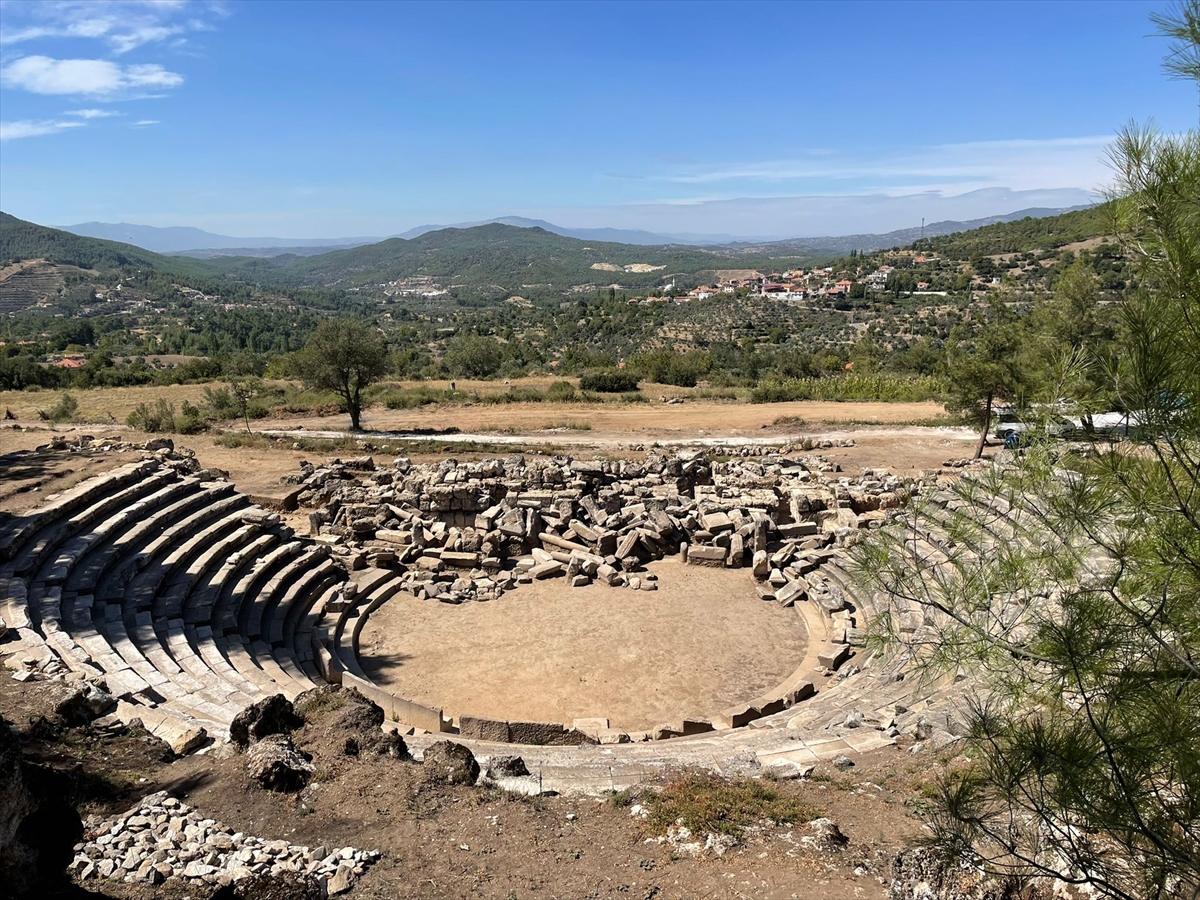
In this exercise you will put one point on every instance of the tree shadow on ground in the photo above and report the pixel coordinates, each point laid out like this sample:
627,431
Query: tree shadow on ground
377,664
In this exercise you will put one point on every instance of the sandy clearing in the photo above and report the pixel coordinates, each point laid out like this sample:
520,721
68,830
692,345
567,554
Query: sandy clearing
549,652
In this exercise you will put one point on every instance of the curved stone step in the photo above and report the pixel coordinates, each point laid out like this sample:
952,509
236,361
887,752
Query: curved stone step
23,529
236,615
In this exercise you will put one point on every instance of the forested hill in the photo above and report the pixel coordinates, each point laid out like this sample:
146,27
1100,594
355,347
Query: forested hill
21,240
498,260
1024,235
495,261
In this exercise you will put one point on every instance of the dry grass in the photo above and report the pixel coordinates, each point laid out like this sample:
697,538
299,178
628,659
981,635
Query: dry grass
709,804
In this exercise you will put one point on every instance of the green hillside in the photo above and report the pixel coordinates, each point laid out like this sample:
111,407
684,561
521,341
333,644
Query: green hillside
21,240
1023,236
493,260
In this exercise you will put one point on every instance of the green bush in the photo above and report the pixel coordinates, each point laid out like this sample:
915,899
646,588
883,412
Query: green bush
561,392
191,419
883,387
64,410
610,381
153,419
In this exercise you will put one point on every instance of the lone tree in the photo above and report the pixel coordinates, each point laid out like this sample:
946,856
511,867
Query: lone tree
983,368
343,356
1072,583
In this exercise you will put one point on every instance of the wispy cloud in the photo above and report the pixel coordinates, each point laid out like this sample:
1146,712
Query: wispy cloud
87,77
123,25
26,128
144,122
1022,164
91,113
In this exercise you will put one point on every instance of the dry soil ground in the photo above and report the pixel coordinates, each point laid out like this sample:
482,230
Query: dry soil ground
578,428
467,843
547,652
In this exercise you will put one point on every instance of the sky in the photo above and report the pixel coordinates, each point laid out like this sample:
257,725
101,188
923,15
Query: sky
754,120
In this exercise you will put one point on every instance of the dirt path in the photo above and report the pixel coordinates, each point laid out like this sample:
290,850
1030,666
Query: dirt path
548,652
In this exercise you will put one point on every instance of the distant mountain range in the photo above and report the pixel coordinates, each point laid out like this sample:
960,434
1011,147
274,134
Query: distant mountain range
204,244
490,263
902,237
608,235
185,240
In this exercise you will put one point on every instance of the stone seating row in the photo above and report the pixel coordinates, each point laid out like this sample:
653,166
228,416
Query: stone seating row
188,600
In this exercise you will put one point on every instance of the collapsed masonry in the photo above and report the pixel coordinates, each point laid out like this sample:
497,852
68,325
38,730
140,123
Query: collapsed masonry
473,531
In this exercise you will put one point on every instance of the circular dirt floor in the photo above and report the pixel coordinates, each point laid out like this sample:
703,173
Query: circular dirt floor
551,653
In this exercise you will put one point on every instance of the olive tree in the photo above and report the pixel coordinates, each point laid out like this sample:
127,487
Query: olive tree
343,356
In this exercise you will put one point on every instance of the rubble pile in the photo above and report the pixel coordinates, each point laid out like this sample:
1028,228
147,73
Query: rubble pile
163,837
471,531
181,459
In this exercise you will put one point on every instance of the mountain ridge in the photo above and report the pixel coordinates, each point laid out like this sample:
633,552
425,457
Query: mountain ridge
204,244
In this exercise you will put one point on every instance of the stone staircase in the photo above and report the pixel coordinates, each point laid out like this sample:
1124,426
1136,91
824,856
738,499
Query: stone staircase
185,598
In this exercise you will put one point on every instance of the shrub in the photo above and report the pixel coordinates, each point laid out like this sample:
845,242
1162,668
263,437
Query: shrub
708,803
64,410
561,392
610,381
153,419
879,386
191,419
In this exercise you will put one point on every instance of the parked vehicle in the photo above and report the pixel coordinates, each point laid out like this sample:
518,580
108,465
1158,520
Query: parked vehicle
1017,428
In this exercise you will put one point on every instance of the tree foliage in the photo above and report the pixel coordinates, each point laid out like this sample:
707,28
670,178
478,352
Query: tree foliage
343,356
1072,582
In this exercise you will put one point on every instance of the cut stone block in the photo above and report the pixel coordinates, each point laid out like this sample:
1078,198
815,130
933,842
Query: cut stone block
481,729
834,655
737,716
790,593
713,557
535,733
716,522
547,570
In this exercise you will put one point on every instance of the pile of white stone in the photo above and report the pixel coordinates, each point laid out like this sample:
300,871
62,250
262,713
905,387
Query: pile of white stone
472,531
163,837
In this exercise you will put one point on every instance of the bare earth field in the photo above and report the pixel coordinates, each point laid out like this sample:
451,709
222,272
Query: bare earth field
610,429
547,652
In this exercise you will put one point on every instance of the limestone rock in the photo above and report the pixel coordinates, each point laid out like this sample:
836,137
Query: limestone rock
451,763
276,764
506,767
274,715
825,835
84,705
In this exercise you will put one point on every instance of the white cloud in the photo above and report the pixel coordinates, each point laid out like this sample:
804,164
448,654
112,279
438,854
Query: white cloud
1018,164
26,128
122,24
91,113
144,122
90,77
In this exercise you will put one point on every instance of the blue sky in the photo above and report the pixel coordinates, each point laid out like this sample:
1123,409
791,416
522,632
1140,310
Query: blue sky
767,120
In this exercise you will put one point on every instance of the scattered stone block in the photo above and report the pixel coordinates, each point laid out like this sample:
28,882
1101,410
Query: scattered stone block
713,557
833,655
